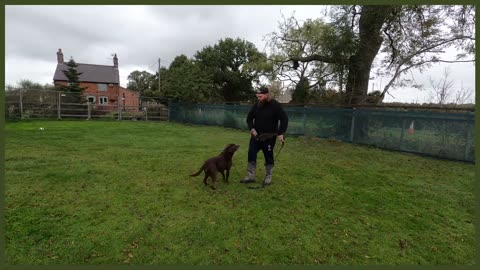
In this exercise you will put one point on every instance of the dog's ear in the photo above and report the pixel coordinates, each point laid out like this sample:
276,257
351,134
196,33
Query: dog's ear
231,148
227,148
234,147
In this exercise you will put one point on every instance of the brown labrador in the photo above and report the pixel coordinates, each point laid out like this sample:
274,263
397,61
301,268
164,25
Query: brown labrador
220,163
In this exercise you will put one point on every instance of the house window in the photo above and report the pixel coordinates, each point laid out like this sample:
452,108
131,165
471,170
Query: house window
91,99
103,100
102,87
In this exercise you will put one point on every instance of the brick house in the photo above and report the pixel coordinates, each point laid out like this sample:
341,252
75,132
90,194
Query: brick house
102,82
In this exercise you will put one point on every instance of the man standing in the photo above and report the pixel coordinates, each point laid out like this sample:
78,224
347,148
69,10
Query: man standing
266,120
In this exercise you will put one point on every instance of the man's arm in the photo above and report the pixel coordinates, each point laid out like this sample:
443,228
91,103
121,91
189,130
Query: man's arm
250,117
283,120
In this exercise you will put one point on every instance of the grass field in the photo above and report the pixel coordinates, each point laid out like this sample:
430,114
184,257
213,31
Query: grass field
102,192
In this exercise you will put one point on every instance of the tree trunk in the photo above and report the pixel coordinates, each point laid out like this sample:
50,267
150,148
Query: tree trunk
370,25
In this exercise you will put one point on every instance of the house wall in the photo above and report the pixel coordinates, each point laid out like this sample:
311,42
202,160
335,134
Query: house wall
113,92
131,101
93,90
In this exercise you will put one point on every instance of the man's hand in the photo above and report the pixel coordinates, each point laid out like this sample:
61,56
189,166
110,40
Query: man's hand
281,138
254,132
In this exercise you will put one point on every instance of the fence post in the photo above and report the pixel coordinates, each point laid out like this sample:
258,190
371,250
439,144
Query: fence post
304,120
59,106
444,133
352,127
21,104
119,117
468,143
146,113
89,108
402,134
169,107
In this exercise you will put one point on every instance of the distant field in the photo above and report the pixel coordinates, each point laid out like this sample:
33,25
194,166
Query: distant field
108,192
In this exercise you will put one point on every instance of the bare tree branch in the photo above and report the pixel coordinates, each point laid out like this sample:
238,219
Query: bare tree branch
455,61
317,57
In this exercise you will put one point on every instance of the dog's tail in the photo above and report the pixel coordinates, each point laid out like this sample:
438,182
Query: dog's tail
199,171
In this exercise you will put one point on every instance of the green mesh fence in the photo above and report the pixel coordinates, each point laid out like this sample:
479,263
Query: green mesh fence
437,134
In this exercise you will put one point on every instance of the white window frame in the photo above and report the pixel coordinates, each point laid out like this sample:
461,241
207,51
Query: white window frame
94,99
102,89
100,99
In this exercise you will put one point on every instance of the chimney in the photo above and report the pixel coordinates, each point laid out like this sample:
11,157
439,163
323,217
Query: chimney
60,56
115,61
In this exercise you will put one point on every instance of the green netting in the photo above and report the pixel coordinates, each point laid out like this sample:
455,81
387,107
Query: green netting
438,134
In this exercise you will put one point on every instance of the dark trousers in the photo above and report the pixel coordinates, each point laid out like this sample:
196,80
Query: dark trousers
266,147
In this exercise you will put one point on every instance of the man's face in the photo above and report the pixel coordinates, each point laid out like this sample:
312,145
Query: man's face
262,97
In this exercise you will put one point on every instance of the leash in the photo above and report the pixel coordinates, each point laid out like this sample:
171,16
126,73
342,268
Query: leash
257,187
263,184
265,136
278,153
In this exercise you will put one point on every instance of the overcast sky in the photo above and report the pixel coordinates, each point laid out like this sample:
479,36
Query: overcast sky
139,35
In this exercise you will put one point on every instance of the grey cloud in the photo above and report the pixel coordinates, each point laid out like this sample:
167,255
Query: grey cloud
138,34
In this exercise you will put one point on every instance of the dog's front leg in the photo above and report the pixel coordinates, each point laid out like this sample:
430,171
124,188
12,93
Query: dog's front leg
213,180
205,179
228,173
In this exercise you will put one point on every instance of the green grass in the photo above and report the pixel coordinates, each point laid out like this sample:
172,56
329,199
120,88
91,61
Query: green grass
85,192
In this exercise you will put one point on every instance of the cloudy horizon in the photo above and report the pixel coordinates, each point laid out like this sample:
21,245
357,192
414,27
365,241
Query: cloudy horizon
139,35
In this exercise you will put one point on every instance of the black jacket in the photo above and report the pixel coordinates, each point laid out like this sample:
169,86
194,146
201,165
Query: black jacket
265,118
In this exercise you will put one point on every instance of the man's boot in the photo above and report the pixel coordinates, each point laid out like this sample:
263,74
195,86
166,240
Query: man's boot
268,174
250,178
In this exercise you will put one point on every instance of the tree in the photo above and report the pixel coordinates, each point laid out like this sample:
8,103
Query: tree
301,94
443,91
49,87
275,89
25,84
235,65
186,80
463,96
304,40
9,87
153,88
141,81
427,31
410,37
33,92
73,77
327,96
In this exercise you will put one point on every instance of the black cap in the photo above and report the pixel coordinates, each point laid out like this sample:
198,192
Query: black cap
262,90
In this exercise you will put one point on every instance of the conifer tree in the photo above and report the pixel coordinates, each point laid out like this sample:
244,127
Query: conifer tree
73,77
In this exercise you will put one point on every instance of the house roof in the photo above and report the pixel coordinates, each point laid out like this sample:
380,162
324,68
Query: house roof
90,73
